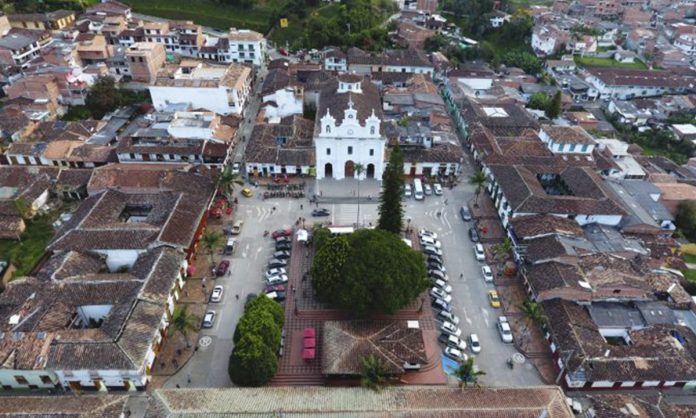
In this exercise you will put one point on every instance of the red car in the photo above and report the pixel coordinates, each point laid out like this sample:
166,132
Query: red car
275,288
282,51
222,268
281,233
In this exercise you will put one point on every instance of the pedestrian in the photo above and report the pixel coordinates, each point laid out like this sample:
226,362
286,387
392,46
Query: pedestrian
317,203
461,276
294,289
445,201
301,206
178,386
188,378
236,296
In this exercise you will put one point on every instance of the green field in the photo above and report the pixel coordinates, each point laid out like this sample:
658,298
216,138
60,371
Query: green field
210,13
607,62
25,253
295,29
690,258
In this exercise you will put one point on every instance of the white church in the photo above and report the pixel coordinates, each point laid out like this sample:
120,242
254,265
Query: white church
347,130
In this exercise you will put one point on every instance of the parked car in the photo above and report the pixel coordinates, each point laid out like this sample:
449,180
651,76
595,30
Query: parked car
441,284
283,239
425,240
246,192
441,304
436,267
427,190
208,319
237,227
216,296
275,272
473,235
455,354
275,263
487,273
438,275
283,246
279,279
275,288
283,51
222,268
452,341
281,255
281,233
444,316
434,258
441,294
320,212
465,214
437,189
474,344
429,249
249,298
479,253
504,329
408,192
426,233
493,299
276,296
450,328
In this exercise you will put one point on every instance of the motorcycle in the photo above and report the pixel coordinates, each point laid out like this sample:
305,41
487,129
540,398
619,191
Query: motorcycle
265,233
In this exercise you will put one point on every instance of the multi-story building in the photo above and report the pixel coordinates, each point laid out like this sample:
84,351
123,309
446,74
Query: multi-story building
240,45
220,88
393,60
55,20
181,37
144,61
19,46
628,84
93,49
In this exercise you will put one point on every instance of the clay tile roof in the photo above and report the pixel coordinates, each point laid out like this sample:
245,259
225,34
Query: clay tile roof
345,343
568,134
535,225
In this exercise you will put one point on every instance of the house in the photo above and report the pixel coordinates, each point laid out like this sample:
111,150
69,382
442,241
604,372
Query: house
222,89
646,213
628,112
144,61
23,191
398,344
109,8
55,20
685,131
626,84
549,39
567,139
20,46
498,18
625,166
391,60
72,326
672,194
411,35
42,89
238,46
519,190
348,129
282,94
93,49
625,57
335,60
282,147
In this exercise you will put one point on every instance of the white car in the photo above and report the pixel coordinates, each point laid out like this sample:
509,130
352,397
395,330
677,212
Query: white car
504,329
479,253
236,168
487,274
427,190
437,189
425,233
444,316
425,240
216,296
455,342
407,190
455,354
450,328
440,294
474,344
441,284
208,319
430,249
282,278
275,272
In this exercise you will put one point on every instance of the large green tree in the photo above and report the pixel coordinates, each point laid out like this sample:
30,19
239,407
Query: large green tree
391,212
103,97
260,323
478,180
211,241
686,219
554,108
380,274
262,303
227,180
183,323
328,265
252,362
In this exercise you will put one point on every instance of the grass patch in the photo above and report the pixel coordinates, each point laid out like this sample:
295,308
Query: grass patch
690,258
295,29
608,62
210,13
24,254
690,275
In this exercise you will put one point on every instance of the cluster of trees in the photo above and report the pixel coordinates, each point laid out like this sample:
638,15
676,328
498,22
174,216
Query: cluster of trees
686,220
657,141
551,105
358,23
368,271
39,6
527,61
254,360
105,97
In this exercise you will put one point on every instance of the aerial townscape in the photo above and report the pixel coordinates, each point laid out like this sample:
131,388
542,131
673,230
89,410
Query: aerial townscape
348,208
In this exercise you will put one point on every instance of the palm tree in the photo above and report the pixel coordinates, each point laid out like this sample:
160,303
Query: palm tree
503,249
479,180
533,312
211,241
359,169
467,373
227,180
374,375
183,323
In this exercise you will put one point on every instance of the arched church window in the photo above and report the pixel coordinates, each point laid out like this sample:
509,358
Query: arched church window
372,130
328,129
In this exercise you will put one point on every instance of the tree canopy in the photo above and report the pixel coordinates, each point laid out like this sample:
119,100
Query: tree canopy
103,97
380,273
686,219
252,362
391,212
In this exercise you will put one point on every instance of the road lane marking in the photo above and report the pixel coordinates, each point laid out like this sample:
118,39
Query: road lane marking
485,315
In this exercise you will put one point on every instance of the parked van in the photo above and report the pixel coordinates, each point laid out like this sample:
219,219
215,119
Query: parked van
418,189
229,248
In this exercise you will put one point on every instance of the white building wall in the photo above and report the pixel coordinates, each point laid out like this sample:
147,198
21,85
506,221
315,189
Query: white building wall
214,99
545,45
33,377
289,103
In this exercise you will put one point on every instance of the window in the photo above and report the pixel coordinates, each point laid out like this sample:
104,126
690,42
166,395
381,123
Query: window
46,380
140,59
372,153
372,131
131,156
350,150
585,147
328,151
328,129
21,380
572,148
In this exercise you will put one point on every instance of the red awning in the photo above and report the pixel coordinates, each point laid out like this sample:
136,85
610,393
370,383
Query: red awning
308,354
310,343
309,333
